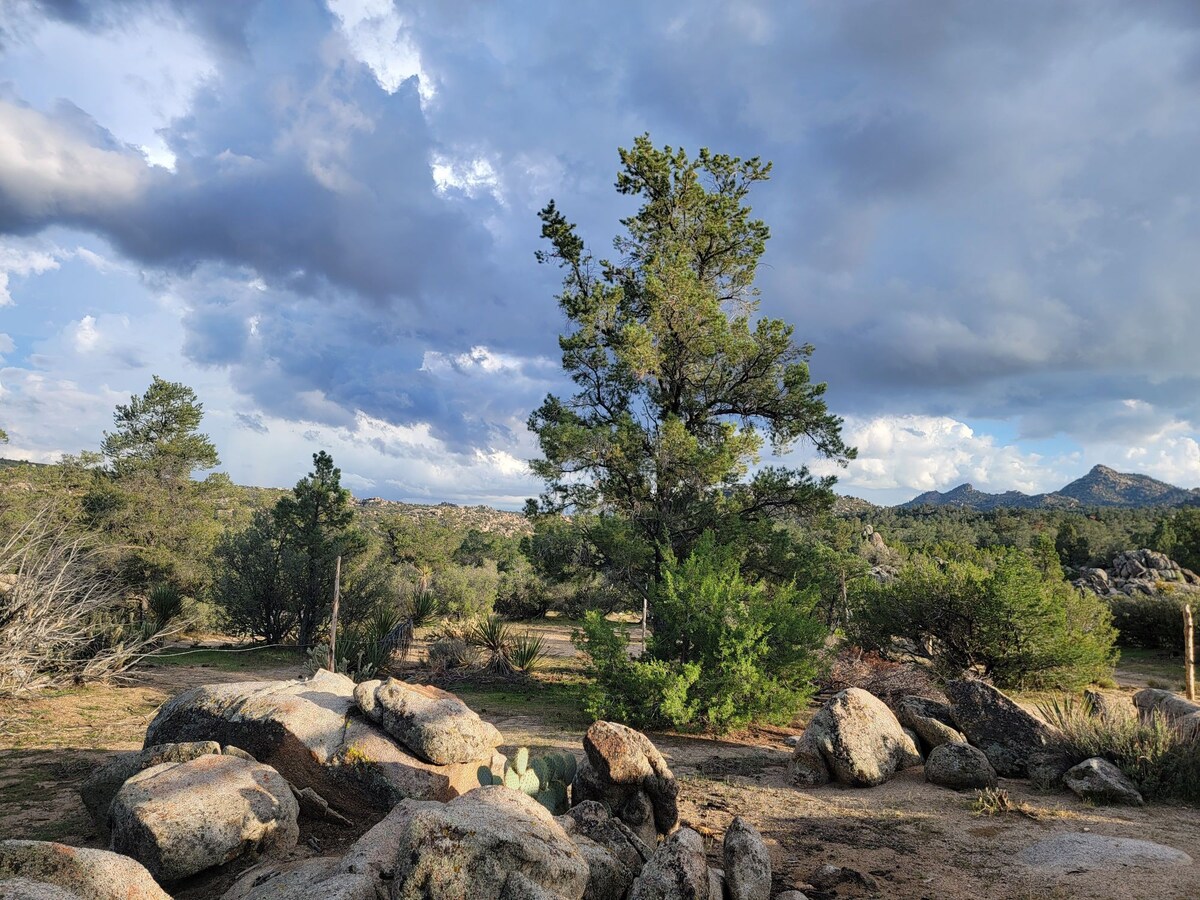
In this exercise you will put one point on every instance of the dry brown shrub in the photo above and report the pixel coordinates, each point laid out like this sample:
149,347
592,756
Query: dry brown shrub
889,680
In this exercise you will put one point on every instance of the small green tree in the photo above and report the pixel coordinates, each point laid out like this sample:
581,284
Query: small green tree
679,381
316,526
252,584
158,432
725,650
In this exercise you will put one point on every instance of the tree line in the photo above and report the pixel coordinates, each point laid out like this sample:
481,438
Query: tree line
656,496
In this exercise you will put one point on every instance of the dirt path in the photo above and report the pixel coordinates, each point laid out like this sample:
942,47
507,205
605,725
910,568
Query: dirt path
913,840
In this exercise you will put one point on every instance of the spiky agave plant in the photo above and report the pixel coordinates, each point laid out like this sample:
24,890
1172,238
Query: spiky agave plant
494,636
528,652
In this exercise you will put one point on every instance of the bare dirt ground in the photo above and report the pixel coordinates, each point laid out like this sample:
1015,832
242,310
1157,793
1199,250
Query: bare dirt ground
912,839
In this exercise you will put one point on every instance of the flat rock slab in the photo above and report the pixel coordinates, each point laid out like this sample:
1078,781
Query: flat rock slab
1080,852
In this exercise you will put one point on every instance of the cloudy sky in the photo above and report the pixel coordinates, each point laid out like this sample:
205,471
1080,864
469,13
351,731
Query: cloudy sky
321,216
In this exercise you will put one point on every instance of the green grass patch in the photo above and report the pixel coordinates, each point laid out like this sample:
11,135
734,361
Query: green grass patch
231,660
1151,663
556,701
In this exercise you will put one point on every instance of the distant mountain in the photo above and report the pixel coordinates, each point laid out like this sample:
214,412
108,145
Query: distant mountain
1101,486
852,506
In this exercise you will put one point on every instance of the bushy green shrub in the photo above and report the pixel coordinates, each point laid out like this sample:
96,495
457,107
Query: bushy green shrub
467,592
1155,623
644,693
724,652
523,594
998,614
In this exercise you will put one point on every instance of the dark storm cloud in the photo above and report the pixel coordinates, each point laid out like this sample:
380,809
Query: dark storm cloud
977,209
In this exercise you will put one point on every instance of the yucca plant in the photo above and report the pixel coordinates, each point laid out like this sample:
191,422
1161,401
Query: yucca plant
494,637
166,604
423,606
528,652
1161,762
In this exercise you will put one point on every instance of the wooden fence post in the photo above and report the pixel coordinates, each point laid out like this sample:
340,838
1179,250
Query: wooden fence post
337,595
1189,652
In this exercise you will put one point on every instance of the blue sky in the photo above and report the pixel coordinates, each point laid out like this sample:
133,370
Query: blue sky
321,216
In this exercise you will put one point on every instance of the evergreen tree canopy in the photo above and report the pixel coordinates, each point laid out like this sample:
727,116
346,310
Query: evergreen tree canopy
316,526
158,432
679,380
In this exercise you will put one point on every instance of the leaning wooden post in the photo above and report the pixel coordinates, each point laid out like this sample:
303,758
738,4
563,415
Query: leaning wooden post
337,595
1189,652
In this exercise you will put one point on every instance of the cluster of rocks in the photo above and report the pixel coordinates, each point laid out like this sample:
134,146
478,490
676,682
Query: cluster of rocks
229,772
1138,572
967,743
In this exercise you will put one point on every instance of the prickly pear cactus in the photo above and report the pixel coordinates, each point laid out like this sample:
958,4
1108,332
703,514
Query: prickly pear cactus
544,778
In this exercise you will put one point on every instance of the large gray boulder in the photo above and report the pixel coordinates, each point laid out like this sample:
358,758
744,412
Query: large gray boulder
930,719
859,738
432,723
1099,781
960,766
98,790
489,844
747,862
997,726
178,819
678,871
59,871
309,730
1180,712
623,770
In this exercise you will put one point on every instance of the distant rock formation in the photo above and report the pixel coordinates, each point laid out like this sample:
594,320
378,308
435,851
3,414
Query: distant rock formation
1138,572
1101,486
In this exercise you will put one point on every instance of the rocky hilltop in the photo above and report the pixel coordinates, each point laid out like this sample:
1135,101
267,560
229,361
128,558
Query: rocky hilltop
1101,486
481,518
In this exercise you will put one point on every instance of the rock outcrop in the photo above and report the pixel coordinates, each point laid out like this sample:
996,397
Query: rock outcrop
101,786
857,738
432,723
623,770
309,731
31,869
180,818
997,726
959,766
1143,572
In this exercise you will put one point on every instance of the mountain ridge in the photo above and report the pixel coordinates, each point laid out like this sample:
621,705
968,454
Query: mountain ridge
1101,486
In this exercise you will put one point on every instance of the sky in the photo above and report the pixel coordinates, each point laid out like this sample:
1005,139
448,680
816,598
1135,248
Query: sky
322,217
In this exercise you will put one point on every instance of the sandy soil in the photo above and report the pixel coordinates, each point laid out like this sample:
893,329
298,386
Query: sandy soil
912,839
